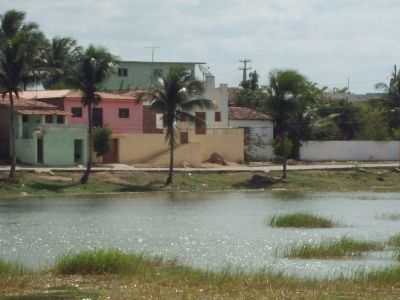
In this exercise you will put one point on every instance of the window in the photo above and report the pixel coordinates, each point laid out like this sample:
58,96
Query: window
25,119
183,118
123,72
217,116
76,112
49,119
60,119
123,113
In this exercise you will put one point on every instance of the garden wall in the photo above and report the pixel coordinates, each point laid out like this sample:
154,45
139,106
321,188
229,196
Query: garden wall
350,150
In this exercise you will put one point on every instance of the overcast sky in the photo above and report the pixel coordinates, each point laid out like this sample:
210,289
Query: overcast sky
327,40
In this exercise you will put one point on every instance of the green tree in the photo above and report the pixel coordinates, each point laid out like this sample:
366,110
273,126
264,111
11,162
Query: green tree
62,55
19,55
94,66
285,89
175,96
102,141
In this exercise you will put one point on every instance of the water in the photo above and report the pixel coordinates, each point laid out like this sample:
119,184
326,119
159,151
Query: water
206,230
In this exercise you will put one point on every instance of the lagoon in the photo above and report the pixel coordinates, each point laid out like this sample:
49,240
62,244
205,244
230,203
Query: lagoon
205,230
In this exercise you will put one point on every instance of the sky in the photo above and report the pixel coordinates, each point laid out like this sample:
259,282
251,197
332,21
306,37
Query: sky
330,41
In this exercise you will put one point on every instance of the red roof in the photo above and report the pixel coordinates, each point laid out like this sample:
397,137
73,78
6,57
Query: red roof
245,113
58,94
31,107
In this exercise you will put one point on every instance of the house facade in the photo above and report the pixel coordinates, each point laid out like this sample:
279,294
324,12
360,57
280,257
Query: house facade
142,74
258,131
43,135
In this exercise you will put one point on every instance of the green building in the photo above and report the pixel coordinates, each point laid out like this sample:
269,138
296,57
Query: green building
142,74
43,136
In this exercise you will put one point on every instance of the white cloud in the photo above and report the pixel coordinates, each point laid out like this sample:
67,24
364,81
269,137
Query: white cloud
329,41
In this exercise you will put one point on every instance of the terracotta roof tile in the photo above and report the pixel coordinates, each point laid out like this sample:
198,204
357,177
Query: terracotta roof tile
32,107
57,94
245,113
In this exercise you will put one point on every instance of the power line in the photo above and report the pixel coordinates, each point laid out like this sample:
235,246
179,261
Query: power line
245,68
153,50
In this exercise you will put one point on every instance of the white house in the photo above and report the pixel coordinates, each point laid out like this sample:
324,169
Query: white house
259,132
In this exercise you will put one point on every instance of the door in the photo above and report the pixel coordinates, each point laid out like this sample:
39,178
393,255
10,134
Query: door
113,155
200,123
40,151
78,151
97,117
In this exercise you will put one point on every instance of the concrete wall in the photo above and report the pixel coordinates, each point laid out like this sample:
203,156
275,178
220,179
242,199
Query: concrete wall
26,150
133,124
141,74
259,137
229,143
152,149
58,144
350,150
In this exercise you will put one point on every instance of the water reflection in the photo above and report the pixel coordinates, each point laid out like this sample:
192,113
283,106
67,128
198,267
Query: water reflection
208,230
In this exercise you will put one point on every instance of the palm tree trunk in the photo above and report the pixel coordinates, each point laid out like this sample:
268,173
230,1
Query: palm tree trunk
85,177
171,157
284,167
11,175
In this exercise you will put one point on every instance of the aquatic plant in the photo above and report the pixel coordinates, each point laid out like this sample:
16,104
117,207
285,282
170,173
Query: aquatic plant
301,220
343,248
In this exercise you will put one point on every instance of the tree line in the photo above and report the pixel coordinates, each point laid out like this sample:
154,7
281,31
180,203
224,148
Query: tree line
302,111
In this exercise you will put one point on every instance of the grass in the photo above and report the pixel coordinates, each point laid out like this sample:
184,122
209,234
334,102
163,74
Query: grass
343,248
9,268
103,262
66,183
301,220
390,217
394,241
117,275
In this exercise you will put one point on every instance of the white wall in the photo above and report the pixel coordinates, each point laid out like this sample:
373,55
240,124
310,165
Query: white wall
259,138
350,150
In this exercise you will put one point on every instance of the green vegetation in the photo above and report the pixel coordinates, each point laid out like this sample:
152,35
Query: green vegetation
8,268
67,183
343,248
160,279
394,241
103,262
390,217
174,96
102,140
301,220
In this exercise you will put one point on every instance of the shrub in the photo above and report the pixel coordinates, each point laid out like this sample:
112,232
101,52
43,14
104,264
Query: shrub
103,262
102,140
301,220
345,247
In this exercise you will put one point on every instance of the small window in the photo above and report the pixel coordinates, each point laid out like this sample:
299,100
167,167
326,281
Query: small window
76,112
25,119
183,118
123,113
217,116
49,119
123,72
60,120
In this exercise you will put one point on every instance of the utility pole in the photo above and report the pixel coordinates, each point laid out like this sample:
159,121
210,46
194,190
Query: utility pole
245,68
153,50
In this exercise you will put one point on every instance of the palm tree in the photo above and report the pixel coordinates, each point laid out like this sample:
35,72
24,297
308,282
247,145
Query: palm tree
284,91
94,66
175,96
19,55
62,55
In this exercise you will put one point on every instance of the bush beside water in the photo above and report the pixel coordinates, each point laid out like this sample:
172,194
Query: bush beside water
301,220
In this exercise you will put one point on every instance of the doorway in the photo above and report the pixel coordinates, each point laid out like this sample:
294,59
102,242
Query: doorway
200,124
78,151
40,150
112,156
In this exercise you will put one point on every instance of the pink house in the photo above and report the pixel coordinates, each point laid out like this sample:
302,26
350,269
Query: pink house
120,113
